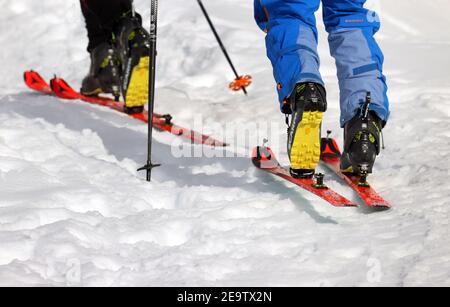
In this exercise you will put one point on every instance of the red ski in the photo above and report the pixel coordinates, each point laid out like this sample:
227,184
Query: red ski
331,155
264,159
34,81
61,89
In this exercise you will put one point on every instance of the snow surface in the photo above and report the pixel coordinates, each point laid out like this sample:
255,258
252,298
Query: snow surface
73,211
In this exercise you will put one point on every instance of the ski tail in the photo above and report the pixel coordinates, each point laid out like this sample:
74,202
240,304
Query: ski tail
330,149
63,90
35,82
263,157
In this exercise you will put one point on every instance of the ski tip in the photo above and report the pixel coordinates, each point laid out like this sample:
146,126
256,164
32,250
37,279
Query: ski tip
220,144
351,205
381,207
214,143
263,157
34,81
345,204
330,149
62,89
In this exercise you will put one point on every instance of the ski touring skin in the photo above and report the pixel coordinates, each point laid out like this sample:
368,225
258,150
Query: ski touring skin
264,159
331,156
61,89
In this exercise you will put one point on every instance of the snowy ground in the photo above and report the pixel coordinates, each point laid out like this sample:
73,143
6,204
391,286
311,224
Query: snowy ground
73,211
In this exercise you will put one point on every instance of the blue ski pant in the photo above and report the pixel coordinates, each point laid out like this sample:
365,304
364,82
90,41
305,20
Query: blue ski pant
292,48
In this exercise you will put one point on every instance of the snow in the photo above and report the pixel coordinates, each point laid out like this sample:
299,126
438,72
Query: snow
73,210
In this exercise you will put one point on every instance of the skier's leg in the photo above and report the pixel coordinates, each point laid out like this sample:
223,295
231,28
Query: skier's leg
133,44
292,48
291,41
358,57
100,17
104,72
119,52
261,15
359,63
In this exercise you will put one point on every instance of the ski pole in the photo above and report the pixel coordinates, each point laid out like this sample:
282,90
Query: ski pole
241,82
151,87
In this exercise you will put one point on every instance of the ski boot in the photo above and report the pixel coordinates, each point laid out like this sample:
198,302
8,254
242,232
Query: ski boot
104,73
307,106
133,42
362,143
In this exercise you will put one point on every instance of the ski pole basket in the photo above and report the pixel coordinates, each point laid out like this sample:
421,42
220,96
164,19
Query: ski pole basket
241,83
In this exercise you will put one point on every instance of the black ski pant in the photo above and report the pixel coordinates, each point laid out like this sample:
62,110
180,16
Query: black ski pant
101,16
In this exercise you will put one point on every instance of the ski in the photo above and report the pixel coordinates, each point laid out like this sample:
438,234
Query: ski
35,82
330,157
61,89
264,159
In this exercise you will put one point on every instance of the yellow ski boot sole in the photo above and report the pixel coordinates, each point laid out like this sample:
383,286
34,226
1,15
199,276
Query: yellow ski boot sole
305,152
137,92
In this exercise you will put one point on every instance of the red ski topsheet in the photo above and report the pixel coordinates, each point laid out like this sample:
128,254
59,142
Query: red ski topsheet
268,163
34,81
331,158
369,196
60,88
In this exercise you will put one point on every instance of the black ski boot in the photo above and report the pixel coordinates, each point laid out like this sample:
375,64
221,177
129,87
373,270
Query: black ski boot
307,105
104,73
133,42
362,142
